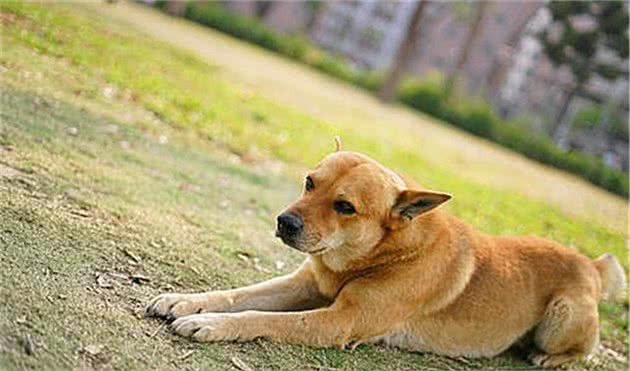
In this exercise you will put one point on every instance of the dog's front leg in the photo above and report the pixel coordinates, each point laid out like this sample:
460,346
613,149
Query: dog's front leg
319,327
358,314
296,291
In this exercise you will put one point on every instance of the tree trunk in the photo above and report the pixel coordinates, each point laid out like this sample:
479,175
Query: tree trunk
315,10
176,8
405,51
498,70
263,7
473,32
558,131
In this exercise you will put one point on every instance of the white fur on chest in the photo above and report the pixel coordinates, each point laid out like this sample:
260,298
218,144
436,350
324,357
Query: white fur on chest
410,340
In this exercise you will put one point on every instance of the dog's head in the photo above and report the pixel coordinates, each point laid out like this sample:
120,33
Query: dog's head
350,202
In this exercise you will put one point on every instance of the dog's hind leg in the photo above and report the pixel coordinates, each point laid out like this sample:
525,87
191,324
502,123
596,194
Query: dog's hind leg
569,330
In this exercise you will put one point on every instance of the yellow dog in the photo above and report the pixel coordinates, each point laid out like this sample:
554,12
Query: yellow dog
385,265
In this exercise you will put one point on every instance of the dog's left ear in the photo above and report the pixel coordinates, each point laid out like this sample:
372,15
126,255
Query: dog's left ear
411,203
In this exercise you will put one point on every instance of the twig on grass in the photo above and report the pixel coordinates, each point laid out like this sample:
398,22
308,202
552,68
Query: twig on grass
28,344
238,363
152,335
186,355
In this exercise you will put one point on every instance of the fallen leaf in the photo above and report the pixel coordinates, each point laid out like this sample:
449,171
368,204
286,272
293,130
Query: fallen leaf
139,279
152,334
259,267
93,350
131,255
238,363
243,256
80,212
120,276
186,355
101,281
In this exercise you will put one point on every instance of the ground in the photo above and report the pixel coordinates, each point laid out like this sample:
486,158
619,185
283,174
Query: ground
131,167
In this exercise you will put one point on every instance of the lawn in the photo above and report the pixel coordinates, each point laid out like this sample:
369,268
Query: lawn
130,167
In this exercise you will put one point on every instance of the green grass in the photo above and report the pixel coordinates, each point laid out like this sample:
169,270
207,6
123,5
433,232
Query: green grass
176,175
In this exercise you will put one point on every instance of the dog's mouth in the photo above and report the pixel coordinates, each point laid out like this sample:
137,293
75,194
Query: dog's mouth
296,242
291,241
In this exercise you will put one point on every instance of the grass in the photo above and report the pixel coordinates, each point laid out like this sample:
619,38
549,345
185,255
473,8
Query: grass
122,156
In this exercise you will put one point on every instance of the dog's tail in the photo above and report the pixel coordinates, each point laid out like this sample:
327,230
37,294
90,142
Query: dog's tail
611,274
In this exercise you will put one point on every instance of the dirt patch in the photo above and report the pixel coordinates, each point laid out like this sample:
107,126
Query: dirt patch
9,172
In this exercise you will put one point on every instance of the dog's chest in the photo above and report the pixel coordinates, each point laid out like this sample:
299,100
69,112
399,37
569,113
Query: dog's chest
328,288
328,282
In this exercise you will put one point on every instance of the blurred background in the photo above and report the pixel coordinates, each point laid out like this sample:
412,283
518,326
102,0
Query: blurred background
544,78
149,147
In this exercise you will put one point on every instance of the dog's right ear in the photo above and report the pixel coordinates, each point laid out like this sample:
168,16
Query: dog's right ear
411,203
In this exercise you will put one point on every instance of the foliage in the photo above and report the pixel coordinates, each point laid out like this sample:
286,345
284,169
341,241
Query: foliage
576,46
591,116
424,95
587,117
478,117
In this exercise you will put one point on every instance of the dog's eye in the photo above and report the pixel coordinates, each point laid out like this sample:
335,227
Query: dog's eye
344,207
308,185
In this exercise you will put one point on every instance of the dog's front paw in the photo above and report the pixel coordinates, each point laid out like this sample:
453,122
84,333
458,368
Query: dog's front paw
552,360
208,327
173,306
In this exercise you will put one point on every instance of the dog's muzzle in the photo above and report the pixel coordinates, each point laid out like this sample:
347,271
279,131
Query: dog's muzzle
290,228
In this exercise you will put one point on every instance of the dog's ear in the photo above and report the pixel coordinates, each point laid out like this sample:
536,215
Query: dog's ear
411,203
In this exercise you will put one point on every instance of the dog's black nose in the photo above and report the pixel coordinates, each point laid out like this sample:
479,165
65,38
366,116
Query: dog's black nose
289,224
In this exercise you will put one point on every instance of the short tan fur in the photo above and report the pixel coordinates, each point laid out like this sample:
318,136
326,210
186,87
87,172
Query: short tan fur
386,264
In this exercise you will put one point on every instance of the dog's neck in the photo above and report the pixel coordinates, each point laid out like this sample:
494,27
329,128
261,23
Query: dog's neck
448,259
394,246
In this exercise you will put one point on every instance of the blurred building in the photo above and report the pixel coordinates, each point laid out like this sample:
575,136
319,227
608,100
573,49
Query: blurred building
367,32
506,63
532,86
351,27
287,17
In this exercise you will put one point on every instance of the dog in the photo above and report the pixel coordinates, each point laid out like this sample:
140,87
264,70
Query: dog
385,264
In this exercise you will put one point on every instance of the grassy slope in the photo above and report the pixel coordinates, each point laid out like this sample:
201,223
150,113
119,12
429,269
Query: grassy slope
87,180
